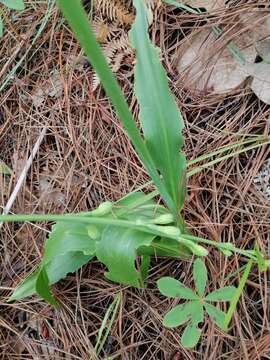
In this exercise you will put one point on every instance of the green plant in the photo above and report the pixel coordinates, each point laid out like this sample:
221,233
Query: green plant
125,234
193,311
11,4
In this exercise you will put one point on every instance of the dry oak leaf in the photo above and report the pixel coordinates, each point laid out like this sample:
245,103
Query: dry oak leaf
207,4
207,66
260,84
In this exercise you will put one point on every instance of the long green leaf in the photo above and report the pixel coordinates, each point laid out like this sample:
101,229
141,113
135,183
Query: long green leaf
79,23
159,115
57,269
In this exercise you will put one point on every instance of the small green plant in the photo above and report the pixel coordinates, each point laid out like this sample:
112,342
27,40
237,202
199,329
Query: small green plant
125,234
11,4
193,311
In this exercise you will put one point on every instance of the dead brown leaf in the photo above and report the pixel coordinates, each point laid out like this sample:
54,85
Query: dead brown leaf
205,66
260,84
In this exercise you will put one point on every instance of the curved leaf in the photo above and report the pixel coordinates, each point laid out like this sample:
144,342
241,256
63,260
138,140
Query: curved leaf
159,115
79,23
57,269
43,288
171,287
223,294
68,237
118,251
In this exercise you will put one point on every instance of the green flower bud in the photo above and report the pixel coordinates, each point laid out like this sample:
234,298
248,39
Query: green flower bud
197,249
226,252
103,209
164,219
167,230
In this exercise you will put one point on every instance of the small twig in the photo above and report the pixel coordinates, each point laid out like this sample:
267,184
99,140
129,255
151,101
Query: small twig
22,177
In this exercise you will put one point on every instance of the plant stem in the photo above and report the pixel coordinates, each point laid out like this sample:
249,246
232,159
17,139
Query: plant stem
184,239
237,295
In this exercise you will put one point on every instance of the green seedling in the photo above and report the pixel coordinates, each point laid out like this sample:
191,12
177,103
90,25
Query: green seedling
192,312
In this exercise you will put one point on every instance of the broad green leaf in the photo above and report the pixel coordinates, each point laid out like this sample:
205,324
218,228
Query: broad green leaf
191,336
68,237
79,23
171,287
216,315
4,169
159,115
57,269
200,276
117,249
223,294
43,288
14,4
177,316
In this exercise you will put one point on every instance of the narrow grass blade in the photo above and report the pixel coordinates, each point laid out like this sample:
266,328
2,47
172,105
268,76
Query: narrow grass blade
107,323
237,295
79,23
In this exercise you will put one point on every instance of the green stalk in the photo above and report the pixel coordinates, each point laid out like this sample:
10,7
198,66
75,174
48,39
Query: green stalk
107,323
80,26
183,239
237,295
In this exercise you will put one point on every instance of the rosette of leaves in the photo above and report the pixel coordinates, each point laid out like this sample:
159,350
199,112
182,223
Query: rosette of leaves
198,303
